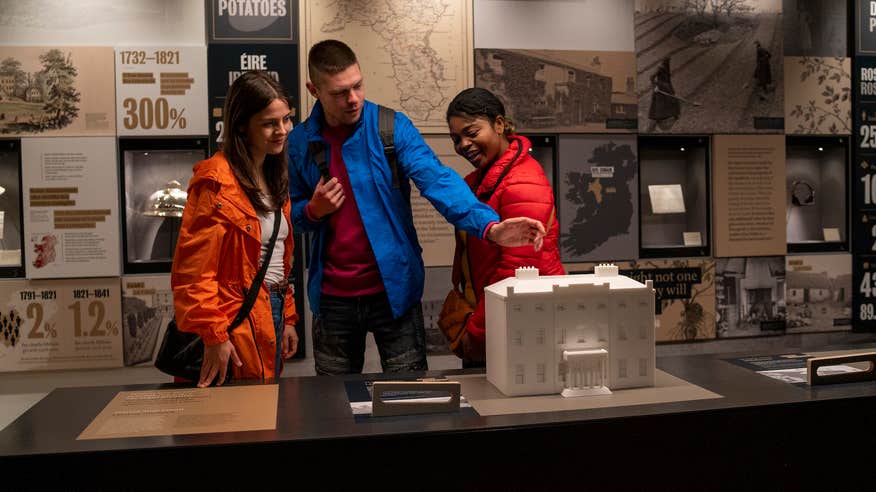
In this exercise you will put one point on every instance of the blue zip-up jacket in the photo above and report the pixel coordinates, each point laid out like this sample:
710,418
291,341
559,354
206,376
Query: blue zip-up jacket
385,211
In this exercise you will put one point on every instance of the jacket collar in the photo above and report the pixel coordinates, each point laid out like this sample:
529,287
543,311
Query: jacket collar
316,121
493,172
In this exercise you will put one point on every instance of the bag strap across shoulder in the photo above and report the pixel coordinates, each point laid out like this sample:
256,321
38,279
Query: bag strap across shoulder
257,281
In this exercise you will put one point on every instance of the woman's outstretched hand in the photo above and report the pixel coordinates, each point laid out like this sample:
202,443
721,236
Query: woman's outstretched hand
517,231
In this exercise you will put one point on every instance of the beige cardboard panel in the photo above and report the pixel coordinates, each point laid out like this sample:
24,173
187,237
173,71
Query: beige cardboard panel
748,194
83,75
817,95
562,91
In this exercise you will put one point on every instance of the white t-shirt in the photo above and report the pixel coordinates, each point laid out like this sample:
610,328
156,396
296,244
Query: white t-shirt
274,275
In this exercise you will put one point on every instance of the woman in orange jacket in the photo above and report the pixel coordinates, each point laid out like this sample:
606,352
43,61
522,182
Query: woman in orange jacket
226,228
513,183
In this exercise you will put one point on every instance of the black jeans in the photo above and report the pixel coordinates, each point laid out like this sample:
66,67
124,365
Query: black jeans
340,329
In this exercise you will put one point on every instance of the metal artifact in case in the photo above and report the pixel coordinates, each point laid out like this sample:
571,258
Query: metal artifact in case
817,193
155,175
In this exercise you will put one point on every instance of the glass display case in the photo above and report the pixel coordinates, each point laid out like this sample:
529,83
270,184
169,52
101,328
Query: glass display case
154,174
11,263
674,196
544,150
817,193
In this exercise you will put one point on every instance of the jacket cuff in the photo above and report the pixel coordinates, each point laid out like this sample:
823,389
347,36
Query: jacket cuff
487,230
309,214
212,338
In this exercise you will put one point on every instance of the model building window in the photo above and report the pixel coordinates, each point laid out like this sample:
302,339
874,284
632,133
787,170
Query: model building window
517,307
595,107
561,339
643,367
539,307
539,373
518,378
539,336
602,328
621,332
643,331
518,337
622,368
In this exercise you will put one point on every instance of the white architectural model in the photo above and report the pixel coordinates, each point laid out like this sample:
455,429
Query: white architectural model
571,334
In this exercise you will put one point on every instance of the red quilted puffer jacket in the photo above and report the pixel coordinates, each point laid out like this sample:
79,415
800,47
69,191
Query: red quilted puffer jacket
523,191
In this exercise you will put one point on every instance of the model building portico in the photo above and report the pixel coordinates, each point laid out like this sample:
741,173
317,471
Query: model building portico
571,334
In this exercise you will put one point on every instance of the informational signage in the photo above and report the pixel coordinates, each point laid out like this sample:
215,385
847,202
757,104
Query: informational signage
864,293
71,221
866,32
749,195
227,62
252,20
161,90
56,91
60,324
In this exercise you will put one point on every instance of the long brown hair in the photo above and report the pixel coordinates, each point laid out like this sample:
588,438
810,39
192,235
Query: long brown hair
249,94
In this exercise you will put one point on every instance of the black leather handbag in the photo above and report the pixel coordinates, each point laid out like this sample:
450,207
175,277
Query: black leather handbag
182,353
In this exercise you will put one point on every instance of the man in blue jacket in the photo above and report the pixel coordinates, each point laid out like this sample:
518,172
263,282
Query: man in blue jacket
366,270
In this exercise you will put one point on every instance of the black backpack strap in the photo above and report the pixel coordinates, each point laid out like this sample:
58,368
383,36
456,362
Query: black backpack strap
386,127
317,151
256,286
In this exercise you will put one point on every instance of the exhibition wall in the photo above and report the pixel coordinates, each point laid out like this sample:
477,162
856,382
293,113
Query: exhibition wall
706,146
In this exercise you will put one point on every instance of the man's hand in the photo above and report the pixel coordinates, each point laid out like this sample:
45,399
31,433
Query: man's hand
327,197
517,231
216,363
290,341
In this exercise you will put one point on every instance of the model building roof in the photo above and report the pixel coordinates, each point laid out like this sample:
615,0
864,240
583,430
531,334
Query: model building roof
528,282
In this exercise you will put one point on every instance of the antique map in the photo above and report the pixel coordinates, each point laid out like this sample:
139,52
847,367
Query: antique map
415,54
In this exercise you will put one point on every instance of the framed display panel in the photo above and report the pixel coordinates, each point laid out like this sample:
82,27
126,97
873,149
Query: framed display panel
817,194
154,176
259,22
11,226
674,196
598,197
750,296
819,292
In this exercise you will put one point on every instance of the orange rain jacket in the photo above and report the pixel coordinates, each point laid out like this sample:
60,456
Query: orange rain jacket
216,260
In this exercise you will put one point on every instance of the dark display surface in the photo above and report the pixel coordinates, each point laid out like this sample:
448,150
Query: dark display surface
714,437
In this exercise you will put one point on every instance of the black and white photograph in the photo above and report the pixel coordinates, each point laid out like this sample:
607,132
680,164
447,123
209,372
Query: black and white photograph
577,76
156,177
147,308
815,28
563,91
819,292
597,186
709,66
750,296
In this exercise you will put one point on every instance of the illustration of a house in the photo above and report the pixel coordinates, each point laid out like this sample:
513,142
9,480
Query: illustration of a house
33,94
7,84
570,334
539,92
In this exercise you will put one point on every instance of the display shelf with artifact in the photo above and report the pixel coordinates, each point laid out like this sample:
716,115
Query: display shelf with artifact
577,335
11,263
817,194
154,175
674,196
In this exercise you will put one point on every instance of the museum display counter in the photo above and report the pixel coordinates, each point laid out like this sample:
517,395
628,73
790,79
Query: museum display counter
753,432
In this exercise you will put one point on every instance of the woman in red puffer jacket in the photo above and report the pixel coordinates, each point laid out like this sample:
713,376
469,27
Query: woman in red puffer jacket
508,179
